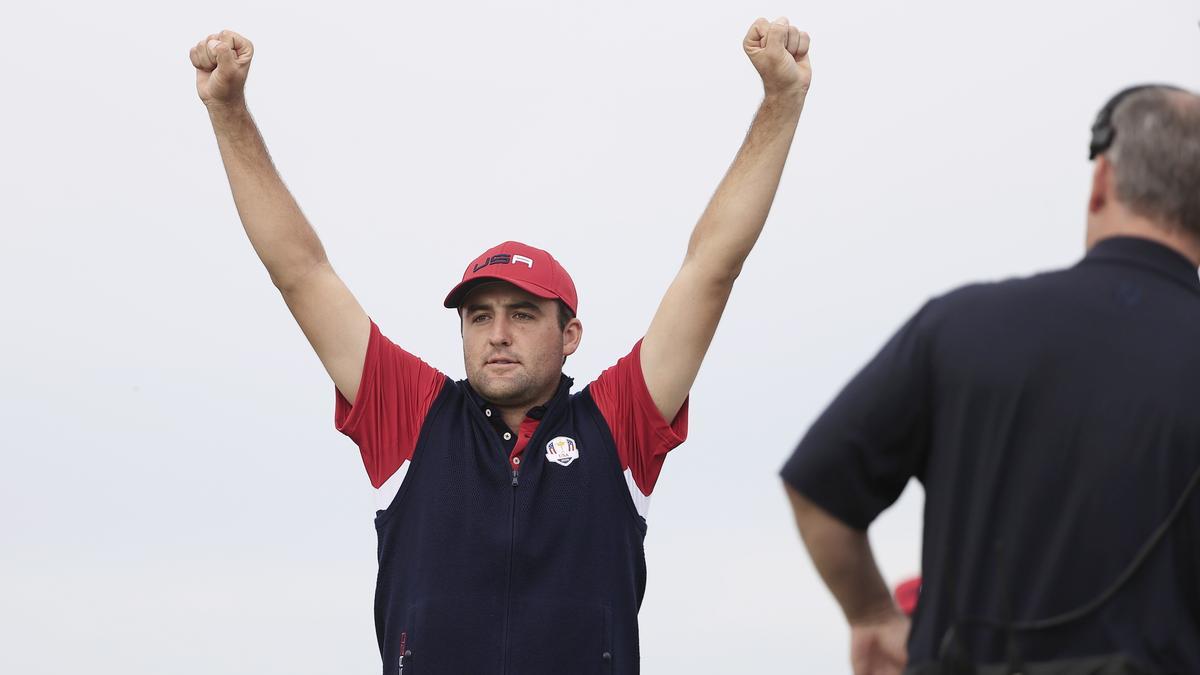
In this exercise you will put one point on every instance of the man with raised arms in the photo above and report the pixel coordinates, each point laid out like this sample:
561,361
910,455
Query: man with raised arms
512,511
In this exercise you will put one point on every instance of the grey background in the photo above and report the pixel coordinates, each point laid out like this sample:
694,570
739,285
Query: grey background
174,498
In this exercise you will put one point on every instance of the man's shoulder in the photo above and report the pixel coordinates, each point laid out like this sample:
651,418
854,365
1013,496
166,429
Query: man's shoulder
997,305
583,398
1026,291
451,390
1010,287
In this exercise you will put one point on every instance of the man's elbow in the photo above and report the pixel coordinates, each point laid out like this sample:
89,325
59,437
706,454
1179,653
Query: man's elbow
290,278
716,273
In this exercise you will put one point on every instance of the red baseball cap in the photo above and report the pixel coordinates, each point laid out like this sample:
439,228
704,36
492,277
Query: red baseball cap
530,269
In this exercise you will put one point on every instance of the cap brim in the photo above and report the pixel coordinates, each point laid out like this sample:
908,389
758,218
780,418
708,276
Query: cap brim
455,297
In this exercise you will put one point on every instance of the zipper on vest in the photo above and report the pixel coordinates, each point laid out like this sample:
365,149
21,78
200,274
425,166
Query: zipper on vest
512,547
403,650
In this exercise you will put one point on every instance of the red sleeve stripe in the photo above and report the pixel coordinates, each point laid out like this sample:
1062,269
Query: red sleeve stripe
642,435
395,393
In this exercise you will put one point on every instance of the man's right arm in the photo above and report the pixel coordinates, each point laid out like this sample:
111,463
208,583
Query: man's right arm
852,464
846,563
331,318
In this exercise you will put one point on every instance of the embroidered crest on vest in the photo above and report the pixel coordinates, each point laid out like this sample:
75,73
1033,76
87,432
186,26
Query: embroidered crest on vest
562,450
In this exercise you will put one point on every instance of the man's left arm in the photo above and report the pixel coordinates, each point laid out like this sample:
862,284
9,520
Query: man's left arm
683,326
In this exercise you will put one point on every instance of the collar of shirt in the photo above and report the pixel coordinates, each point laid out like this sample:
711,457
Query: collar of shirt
1147,254
514,443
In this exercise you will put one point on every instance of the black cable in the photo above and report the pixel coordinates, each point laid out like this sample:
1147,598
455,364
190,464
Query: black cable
1098,601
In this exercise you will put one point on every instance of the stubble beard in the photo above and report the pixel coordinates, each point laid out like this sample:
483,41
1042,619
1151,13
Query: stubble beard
518,389
508,391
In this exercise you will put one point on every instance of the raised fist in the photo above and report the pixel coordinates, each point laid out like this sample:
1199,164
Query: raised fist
779,52
222,61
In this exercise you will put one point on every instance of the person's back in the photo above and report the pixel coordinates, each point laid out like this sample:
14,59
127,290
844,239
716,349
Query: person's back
1070,425
1054,422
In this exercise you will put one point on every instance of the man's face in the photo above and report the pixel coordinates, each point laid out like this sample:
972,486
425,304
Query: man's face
513,347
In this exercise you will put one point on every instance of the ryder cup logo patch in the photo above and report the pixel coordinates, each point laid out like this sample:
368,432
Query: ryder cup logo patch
562,450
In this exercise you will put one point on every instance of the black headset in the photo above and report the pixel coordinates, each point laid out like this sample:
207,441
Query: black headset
1103,132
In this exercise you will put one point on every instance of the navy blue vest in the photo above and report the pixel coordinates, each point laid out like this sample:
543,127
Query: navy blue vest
483,572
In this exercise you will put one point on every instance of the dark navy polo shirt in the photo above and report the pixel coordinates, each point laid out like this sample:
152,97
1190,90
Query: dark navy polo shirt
1053,422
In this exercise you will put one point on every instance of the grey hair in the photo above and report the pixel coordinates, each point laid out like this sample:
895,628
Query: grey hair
1156,156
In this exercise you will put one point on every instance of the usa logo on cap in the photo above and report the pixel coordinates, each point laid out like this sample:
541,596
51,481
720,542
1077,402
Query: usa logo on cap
529,268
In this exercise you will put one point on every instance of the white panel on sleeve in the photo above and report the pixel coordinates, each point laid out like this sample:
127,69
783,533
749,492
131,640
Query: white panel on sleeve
640,501
387,492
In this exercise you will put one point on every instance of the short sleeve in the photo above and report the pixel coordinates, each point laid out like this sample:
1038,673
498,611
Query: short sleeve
642,435
395,394
858,456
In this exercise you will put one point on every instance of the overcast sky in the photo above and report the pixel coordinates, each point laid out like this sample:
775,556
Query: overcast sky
174,497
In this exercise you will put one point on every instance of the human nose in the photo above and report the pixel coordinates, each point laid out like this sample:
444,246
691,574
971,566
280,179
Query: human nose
500,333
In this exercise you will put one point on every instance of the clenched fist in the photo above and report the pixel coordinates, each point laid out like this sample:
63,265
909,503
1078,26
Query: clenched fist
779,52
222,61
